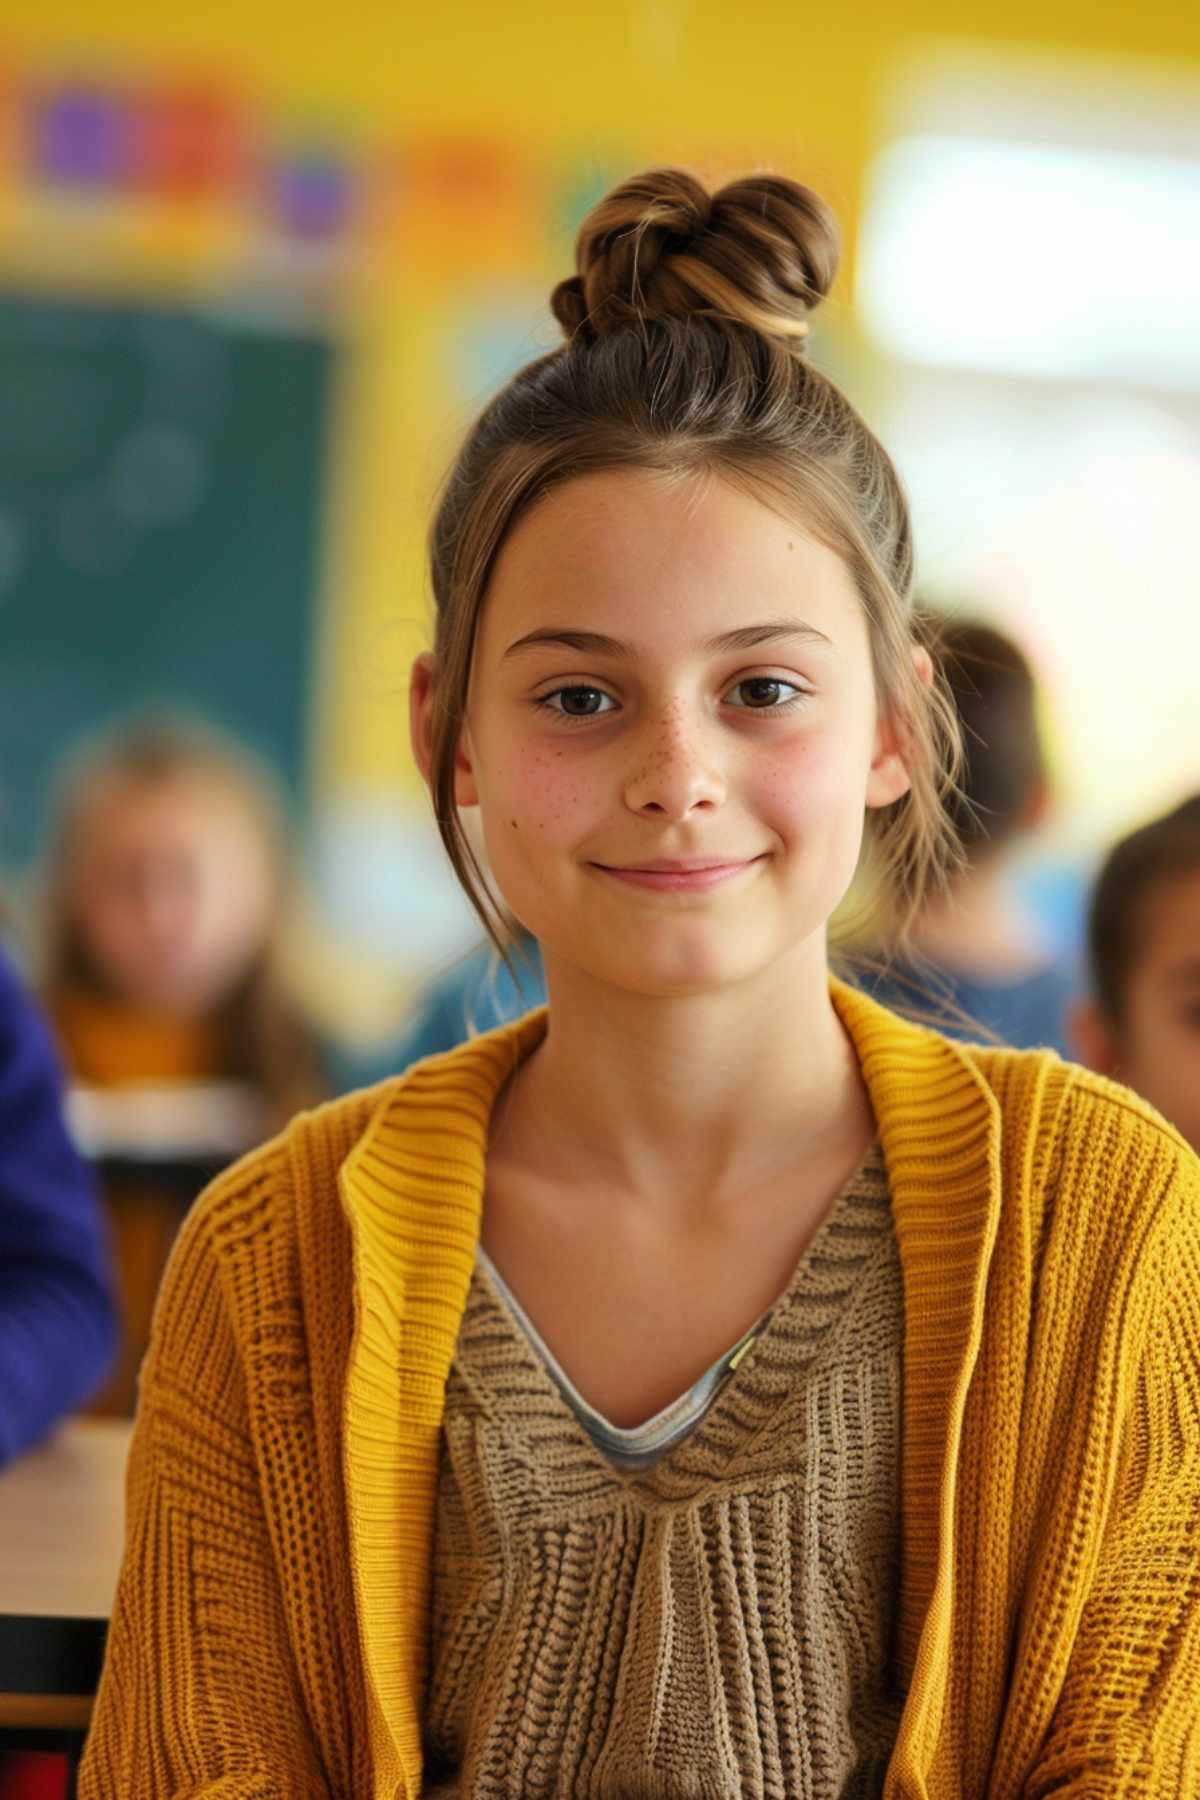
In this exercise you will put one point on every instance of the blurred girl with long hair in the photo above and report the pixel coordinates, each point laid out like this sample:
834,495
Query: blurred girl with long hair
166,887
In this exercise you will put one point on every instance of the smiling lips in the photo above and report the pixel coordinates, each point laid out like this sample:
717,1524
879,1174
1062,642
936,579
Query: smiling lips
687,875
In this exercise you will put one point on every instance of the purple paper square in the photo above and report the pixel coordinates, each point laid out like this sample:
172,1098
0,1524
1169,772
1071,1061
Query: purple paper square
312,195
82,138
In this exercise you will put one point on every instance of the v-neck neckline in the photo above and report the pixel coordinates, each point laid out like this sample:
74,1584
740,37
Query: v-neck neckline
642,1444
714,1438
412,1189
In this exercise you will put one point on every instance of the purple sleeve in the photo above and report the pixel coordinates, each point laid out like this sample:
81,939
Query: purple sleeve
57,1322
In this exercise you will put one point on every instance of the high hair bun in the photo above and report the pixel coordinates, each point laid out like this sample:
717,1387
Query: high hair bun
761,252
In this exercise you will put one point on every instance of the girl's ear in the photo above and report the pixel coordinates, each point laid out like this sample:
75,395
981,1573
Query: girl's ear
1091,1037
421,690
889,777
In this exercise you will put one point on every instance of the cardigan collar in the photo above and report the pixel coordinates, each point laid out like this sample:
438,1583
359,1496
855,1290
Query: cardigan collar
412,1191
939,1128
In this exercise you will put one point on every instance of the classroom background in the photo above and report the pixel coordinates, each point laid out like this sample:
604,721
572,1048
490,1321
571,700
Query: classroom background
259,266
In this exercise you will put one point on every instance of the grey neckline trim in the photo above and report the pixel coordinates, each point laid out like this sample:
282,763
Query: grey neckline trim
636,1446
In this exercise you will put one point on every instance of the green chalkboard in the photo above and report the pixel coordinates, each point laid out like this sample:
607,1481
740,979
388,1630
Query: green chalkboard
161,481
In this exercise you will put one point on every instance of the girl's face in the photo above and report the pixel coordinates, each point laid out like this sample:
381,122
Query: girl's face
171,891
1158,1049
672,732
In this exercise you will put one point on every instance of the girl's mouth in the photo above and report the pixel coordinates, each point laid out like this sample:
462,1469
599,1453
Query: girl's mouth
679,877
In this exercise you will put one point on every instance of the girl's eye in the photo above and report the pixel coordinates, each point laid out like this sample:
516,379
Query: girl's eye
765,693
577,702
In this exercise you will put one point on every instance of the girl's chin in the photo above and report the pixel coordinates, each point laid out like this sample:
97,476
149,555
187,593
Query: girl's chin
678,973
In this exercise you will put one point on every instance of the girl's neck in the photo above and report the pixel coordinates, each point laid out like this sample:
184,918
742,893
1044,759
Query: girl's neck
688,1100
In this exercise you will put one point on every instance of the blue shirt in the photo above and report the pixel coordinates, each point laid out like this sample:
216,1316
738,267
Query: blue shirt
1028,1014
57,1320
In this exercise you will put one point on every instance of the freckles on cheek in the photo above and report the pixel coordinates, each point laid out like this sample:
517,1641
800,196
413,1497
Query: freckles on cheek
787,777
544,795
805,780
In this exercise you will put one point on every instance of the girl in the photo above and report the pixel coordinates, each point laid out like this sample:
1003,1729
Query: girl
711,1384
165,892
1142,1022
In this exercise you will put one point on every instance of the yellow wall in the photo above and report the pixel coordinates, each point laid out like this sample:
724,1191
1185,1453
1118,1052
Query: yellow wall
741,81
661,67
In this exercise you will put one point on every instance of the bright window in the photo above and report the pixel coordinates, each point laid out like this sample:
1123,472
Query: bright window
1035,259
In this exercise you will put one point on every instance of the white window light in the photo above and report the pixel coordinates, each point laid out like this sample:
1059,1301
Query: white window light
1035,259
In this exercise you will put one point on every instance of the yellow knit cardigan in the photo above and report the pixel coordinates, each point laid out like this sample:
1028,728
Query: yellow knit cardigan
270,1631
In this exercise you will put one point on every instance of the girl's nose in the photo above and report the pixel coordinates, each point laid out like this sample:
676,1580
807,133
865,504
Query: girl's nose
674,772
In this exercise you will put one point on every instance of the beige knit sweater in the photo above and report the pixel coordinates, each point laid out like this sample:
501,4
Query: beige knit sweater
717,1625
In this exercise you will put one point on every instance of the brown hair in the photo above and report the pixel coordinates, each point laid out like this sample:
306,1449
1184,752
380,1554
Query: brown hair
686,324
1004,764
1166,848
265,1038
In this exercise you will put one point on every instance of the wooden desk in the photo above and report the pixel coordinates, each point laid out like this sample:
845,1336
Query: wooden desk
62,1510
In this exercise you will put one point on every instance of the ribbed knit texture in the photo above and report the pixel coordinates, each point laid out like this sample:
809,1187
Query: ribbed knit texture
719,1624
271,1630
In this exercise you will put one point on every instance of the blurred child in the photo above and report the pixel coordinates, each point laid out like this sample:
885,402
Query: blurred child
972,946
1141,1023
166,888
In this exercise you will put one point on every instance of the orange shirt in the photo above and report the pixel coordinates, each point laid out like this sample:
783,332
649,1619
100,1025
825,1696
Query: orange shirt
105,1042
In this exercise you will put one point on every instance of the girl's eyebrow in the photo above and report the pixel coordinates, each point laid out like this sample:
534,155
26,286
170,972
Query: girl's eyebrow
594,643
